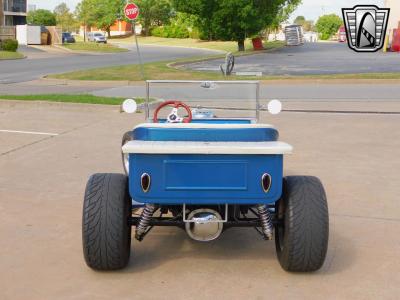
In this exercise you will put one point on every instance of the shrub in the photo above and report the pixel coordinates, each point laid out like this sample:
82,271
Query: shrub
171,31
178,27
194,33
205,35
158,31
9,45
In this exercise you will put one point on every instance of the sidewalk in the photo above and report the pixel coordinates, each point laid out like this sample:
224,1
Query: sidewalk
285,90
39,52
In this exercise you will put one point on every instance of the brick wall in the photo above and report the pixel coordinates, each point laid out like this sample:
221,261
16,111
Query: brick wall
7,32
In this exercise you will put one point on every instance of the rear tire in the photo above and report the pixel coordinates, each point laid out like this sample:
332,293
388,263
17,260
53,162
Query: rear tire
301,236
106,233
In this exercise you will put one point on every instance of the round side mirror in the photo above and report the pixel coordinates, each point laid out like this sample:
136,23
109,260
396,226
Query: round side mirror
274,107
129,106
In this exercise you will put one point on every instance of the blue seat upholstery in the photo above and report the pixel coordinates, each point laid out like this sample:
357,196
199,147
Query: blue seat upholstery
206,134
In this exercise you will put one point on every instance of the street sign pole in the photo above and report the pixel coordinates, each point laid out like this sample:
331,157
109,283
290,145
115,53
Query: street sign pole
138,50
132,13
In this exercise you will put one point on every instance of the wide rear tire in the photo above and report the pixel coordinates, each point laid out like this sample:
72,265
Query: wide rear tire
301,236
106,233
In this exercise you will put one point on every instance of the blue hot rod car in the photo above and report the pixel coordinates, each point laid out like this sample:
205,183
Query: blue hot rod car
205,170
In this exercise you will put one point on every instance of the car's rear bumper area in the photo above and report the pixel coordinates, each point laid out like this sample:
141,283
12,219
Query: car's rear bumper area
180,147
205,178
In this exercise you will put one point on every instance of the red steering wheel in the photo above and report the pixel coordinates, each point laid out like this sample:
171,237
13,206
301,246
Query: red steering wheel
173,117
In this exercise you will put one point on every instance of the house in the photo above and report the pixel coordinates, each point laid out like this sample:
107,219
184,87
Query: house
118,29
13,12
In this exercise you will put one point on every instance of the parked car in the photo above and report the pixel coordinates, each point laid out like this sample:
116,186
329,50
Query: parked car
67,38
204,165
96,37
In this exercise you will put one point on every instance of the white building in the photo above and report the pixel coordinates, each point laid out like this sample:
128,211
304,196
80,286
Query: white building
13,12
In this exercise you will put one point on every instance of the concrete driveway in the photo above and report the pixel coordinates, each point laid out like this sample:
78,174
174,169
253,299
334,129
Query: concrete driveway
42,181
310,59
12,71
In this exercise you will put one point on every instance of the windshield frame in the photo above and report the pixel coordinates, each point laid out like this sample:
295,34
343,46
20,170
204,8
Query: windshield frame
200,82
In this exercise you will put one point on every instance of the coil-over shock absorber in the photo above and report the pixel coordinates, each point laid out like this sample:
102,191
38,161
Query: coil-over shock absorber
266,222
144,221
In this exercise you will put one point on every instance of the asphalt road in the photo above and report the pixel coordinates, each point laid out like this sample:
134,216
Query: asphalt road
282,90
42,181
310,59
275,90
12,71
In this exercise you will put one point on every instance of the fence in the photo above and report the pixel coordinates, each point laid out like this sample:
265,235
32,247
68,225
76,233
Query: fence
7,32
55,35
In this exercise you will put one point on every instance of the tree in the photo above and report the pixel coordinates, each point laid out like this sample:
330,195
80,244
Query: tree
106,12
41,17
99,13
84,12
308,25
233,20
154,13
181,27
328,25
283,15
300,20
65,19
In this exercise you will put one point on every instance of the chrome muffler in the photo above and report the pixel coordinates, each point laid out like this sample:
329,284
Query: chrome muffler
204,224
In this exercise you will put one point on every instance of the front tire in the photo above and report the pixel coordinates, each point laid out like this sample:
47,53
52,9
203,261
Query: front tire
303,228
106,233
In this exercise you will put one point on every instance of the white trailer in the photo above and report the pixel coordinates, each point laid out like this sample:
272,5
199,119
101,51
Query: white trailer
28,35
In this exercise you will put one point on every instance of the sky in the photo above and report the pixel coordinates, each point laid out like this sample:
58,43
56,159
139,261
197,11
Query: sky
310,9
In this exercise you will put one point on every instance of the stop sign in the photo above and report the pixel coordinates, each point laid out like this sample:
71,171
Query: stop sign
131,11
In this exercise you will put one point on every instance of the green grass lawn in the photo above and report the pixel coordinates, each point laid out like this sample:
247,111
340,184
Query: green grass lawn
94,47
83,98
229,46
10,55
157,70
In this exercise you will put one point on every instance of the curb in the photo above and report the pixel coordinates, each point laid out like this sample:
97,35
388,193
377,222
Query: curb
42,103
24,57
184,47
86,106
63,48
66,50
111,83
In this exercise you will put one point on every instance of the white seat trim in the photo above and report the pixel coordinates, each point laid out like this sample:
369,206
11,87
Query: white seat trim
182,147
202,125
